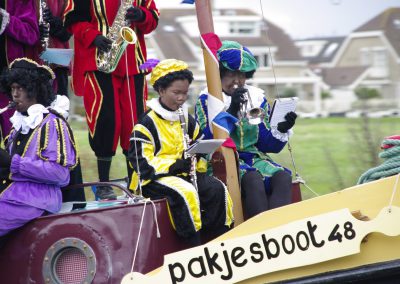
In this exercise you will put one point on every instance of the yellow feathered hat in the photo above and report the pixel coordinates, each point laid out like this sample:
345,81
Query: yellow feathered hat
165,67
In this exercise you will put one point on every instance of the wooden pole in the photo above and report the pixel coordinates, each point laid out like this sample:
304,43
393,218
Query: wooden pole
206,25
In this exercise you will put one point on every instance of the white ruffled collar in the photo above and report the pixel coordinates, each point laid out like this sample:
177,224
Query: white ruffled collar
61,105
31,121
155,105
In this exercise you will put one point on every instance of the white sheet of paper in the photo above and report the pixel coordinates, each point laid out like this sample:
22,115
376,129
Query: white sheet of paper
280,108
205,146
60,56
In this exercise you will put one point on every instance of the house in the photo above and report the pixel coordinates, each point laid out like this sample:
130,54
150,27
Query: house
319,51
177,36
369,57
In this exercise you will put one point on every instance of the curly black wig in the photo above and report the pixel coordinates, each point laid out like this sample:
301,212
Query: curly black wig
223,70
37,82
165,81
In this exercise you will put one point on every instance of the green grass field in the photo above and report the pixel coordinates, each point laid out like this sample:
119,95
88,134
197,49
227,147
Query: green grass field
330,153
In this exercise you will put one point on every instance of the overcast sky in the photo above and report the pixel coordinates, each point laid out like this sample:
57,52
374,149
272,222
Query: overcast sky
307,18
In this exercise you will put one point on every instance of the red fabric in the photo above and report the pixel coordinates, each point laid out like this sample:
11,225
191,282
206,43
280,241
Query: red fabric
393,137
123,127
229,143
85,32
57,9
213,42
92,101
123,112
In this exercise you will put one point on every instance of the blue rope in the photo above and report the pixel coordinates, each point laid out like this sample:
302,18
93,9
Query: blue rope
391,165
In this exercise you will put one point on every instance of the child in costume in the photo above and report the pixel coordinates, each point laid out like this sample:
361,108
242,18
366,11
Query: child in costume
157,155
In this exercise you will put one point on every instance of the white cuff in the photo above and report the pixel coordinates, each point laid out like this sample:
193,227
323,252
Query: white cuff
5,21
283,137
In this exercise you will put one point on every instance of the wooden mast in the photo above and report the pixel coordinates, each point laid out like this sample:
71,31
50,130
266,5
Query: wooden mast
206,25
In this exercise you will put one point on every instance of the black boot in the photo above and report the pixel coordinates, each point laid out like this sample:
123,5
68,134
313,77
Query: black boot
103,167
105,192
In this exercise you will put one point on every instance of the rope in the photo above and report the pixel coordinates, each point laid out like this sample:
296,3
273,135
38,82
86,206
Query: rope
391,165
140,229
270,54
298,177
393,193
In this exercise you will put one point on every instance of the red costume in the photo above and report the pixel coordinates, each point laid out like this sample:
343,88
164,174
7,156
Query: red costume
109,106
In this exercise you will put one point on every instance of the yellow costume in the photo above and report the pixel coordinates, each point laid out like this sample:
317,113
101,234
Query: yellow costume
156,145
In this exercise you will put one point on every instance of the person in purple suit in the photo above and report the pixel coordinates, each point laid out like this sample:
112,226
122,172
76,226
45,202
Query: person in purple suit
40,150
18,30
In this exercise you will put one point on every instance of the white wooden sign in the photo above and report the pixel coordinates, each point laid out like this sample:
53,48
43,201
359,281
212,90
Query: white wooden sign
304,242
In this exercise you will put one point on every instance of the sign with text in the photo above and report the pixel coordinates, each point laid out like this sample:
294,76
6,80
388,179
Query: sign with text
304,242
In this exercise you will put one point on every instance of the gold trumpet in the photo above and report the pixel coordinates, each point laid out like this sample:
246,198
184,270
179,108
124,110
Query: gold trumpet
254,115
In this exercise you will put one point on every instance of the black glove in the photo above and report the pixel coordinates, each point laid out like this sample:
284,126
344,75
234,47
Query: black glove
44,31
135,14
237,99
290,119
57,28
102,43
5,159
180,166
49,18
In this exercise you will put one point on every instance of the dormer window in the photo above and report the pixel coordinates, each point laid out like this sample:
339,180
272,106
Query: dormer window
242,28
169,29
330,49
396,23
230,13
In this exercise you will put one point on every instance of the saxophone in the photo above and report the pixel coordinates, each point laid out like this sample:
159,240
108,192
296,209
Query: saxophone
121,35
42,7
186,141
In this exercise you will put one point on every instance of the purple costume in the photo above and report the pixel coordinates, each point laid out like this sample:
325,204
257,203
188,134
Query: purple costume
20,30
38,169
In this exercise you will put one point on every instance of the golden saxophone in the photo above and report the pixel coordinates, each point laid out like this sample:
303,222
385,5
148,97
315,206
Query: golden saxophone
42,7
186,141
121,35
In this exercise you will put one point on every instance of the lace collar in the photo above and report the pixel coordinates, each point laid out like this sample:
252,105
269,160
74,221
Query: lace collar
33,119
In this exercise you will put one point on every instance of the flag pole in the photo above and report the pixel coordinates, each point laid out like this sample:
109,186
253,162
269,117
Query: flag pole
206,25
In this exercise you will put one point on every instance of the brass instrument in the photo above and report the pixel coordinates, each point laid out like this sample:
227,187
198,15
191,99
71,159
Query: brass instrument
254,115
9,106
121,35
42,7
186,141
